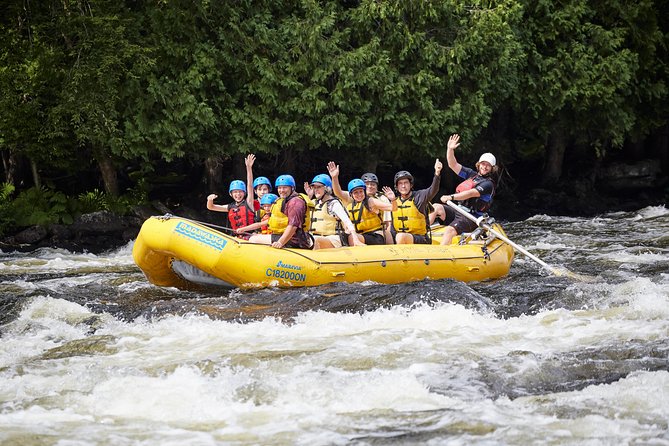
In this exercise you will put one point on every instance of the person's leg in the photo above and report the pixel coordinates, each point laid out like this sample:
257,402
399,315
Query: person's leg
404,238
335,240
321,242
439,212
264,239
387,233
449,233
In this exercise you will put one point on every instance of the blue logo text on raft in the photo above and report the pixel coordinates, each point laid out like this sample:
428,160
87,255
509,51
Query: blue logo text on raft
200,235
286,271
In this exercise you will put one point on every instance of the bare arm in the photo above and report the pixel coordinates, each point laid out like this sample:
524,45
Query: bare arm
382,205
215,207
285,237
249,160
453,143
333,170
461,196
252,226
346,222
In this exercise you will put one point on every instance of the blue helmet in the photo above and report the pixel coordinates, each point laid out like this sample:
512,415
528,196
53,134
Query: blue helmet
262,180
268,199
354,184
285,180
237,185
323,179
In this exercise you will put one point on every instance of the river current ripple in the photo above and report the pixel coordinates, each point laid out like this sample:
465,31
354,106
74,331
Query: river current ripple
91,353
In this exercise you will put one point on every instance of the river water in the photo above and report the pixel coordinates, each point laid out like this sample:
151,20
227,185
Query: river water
91,353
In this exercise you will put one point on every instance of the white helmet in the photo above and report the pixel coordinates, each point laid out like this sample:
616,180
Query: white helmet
489,157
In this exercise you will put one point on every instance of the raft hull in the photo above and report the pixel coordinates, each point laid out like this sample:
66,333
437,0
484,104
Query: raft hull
237,263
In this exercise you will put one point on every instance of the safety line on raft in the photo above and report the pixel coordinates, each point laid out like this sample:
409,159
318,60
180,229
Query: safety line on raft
299,253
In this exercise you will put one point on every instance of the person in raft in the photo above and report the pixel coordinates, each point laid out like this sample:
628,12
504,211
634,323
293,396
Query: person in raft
266,203
261,185
330,224
290,218
372,186
476,192
241,212
365,211
411,219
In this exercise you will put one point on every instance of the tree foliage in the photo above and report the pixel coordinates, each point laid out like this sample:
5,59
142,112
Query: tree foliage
130,85
587,71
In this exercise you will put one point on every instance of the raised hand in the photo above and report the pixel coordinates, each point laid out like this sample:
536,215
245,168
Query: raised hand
437,167
453,142
249,160
333,169
308,189
388,192
212,197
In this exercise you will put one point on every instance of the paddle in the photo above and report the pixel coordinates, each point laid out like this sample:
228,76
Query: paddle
482,222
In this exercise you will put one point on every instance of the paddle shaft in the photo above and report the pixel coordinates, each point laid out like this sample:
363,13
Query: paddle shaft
487,227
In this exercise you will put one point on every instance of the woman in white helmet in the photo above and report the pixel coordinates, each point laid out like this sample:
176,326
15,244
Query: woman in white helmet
475,192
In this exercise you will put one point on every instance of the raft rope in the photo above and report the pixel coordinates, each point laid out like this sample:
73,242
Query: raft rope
486,253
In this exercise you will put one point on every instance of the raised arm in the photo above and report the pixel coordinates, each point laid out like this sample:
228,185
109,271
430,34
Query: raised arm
249,160
215,207
333,170
453,143
308,190
382,205
436,180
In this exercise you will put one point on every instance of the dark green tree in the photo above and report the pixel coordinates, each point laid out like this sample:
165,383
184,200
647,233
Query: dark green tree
68,83
581,86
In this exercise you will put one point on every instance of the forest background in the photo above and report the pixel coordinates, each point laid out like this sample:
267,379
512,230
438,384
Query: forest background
105,104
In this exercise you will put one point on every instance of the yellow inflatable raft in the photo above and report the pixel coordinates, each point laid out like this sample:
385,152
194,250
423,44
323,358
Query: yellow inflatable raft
177,252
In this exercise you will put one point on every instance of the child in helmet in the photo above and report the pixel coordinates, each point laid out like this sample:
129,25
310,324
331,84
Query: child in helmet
261,185
241,212
266,203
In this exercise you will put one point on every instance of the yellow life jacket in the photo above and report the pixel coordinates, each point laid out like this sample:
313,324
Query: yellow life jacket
322,222
408,218
278,221
363,218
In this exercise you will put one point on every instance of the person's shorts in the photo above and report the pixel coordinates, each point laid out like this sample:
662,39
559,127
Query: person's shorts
462,224
421,240
374,238
306,243
417,239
